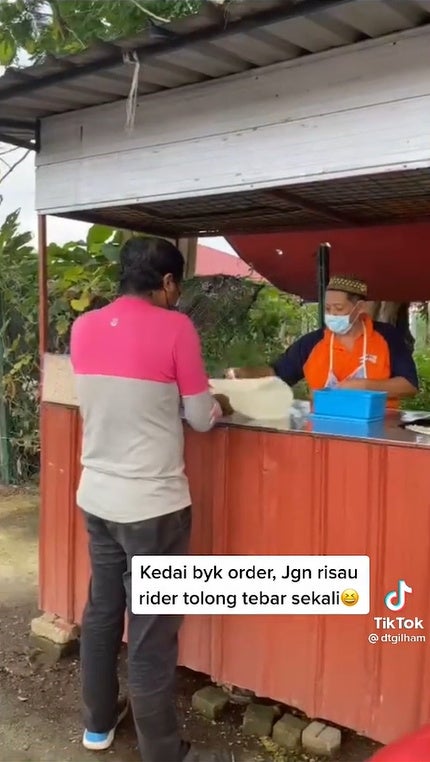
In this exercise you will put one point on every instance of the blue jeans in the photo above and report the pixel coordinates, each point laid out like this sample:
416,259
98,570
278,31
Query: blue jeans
152,639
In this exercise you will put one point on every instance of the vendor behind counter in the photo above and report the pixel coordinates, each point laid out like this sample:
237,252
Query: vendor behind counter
351,352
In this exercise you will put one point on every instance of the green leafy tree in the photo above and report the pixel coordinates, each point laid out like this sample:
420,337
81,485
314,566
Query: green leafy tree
244,324
61,27
78,273
18,347
422,400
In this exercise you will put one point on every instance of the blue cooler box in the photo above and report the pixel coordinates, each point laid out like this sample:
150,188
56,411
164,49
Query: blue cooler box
347,427
350,404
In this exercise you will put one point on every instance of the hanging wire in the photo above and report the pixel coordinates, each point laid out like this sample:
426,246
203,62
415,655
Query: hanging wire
131,105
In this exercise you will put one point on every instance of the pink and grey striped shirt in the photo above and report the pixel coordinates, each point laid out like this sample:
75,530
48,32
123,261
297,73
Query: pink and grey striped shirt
135,365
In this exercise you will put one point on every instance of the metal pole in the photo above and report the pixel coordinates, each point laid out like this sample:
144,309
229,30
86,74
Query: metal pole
5,460
43,288
43,346
323,276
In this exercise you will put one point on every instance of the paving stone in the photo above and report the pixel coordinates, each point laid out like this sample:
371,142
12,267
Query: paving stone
54,628
321,739
258,720
287,732
210,702
44,652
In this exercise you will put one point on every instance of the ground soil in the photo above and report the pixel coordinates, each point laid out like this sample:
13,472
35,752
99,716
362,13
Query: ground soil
39,701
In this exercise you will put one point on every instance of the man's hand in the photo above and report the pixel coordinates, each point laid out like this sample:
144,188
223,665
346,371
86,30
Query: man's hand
224,404
354,383
264,371
236,373
396,388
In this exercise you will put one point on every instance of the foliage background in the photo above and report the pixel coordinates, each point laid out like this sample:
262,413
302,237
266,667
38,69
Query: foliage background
35,28
239,321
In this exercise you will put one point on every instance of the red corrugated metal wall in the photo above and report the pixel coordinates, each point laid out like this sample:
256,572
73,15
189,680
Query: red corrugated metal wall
263,493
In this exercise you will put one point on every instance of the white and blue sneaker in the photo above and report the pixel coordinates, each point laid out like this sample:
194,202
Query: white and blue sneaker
102,741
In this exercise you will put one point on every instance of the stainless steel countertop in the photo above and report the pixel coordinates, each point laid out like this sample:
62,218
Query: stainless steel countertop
298,422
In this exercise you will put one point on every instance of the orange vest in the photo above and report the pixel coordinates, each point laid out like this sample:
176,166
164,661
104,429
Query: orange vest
376,364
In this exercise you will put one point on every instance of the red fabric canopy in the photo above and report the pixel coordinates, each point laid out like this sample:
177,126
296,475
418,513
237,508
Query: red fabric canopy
394,260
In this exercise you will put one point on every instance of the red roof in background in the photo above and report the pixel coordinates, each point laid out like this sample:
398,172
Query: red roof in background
214,262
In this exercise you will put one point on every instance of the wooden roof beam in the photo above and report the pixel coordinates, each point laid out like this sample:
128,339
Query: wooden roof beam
313,207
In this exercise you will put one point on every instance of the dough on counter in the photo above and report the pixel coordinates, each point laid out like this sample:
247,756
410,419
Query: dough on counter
257,398
417,429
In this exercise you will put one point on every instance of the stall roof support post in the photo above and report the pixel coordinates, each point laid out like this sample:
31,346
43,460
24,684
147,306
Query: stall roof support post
188,248
5,464
43,287
43,348
323,275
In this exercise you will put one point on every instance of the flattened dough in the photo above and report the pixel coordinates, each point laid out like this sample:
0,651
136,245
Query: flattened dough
417,429
257,398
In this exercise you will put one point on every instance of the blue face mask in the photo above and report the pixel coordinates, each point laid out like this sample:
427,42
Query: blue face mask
340,324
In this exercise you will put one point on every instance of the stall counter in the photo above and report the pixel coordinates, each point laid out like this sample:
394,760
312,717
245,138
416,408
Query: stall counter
390,431
279,489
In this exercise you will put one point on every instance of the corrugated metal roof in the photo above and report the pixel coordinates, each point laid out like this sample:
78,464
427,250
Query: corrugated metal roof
218,41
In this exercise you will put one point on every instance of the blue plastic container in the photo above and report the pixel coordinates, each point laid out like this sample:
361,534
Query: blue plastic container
347,427
350,404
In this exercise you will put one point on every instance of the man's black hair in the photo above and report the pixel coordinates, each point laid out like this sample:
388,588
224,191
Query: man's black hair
145,261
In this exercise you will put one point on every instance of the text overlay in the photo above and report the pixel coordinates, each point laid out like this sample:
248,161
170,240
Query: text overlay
250,585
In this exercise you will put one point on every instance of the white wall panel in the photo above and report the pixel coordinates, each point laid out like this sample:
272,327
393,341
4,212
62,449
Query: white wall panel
358,109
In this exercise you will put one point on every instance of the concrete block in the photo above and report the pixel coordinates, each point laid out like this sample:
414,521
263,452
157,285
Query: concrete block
54,628
210,702
320,739
258,720
287,732
44,652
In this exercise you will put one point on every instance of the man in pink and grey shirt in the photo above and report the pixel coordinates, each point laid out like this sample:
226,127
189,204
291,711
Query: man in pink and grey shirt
136,362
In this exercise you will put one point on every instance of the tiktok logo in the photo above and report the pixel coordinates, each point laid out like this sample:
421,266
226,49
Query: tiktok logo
399,594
